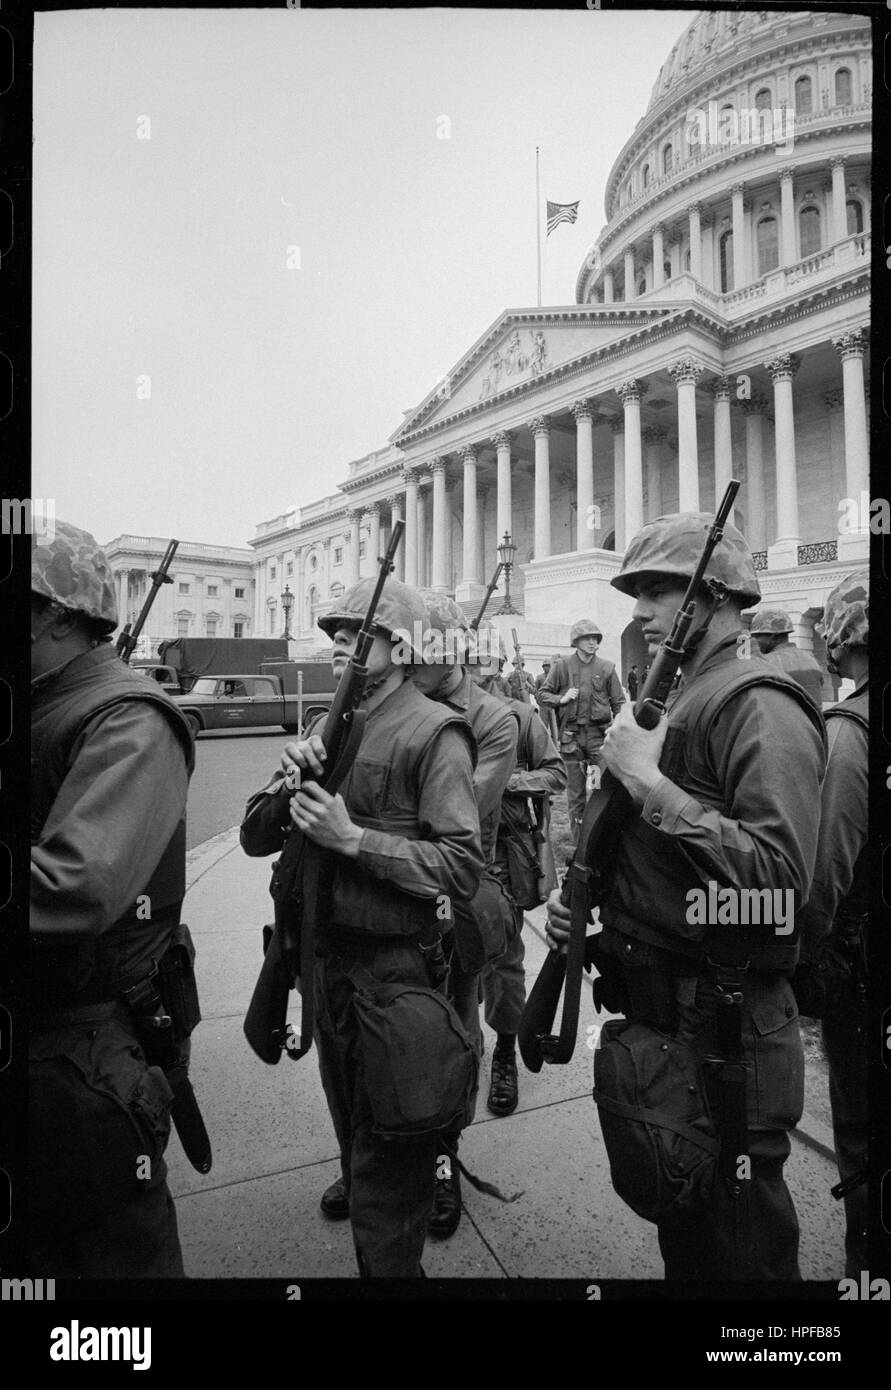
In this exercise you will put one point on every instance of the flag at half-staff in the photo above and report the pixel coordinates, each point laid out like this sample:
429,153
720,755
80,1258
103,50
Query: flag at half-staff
561,212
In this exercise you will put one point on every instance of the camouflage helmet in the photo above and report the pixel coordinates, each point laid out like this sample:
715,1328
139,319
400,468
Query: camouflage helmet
73,571
399,611
585,627
845,621
447,618
490,650
770,621
673,545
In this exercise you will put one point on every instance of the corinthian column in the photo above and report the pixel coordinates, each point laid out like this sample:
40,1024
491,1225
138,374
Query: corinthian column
629,394
410,546
423,539
439,577
850,348
787,215
584,454
695,242
755,410
470,553
839,199
618,428
720,389
654,437
784,553
739,234
373,518
395,503
685,375
630,289
658,258
541,431
353,553
504,504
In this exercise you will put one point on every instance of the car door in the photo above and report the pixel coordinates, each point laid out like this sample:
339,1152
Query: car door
233,703
266,704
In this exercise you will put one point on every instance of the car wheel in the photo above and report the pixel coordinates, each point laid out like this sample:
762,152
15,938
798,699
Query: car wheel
194,724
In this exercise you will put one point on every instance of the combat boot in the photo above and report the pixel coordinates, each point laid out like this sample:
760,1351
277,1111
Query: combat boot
335,1203
504,1087
446,1211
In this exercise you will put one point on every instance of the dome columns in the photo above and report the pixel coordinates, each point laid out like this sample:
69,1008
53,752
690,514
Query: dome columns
850,348
658,256
629,273
693,214
609,292
685,375
839,200
739,235
787,216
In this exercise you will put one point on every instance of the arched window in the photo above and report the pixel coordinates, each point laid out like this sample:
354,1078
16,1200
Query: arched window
667,159
726,251
666,270
843,88
855,216
804,101
767,239
646,175
809,231
763,99
312,604
642,286
727,131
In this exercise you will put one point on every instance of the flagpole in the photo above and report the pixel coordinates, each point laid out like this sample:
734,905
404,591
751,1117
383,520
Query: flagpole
538,222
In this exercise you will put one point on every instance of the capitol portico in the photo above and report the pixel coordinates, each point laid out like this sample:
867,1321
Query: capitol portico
719,329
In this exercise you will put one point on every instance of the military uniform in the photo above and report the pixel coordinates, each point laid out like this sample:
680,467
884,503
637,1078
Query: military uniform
410,789
775,625
584,720
111,759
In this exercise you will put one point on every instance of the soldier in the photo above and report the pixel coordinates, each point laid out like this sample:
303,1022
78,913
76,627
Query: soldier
633,682
402,831
545,668
835,919
524,862
110,767
771,628
447,681
715,803
586,693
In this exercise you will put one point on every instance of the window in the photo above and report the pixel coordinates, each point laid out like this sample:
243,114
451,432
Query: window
361,550
855,216
211,624
809,230
646,175
273,616
667,159
213,591
272,572
183,588
237,629
182,627
804,100
313,562
338,555
768,245
843,89
290,568
763,99
239,592
725,246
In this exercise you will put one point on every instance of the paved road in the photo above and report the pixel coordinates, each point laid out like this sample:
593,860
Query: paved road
229,765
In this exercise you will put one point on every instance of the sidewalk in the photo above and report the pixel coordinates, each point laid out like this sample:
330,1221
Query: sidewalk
256,1214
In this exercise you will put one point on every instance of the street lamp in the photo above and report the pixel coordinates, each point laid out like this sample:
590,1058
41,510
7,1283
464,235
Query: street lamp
506,552
287,605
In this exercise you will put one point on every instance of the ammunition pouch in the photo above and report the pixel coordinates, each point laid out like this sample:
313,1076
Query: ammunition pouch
660,1137
637,979
484,926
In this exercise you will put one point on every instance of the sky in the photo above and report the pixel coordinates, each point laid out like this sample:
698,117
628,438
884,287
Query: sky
262,236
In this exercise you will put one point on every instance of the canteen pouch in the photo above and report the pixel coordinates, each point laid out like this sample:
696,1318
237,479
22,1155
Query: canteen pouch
419,1066
660,1138
483,926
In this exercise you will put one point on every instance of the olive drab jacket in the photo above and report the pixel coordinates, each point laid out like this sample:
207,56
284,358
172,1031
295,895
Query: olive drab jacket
600,691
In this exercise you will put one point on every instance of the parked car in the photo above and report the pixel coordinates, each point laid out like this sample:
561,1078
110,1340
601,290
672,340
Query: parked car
245,702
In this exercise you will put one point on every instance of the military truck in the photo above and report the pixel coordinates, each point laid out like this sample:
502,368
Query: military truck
290,693
192,657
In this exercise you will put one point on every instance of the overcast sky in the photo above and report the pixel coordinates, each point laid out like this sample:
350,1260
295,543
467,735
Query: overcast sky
167,257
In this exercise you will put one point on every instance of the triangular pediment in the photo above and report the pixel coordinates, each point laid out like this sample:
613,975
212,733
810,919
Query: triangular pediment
522,349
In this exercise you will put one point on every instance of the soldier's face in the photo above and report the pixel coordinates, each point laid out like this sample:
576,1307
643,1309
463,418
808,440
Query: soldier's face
379,658
658,600
588,645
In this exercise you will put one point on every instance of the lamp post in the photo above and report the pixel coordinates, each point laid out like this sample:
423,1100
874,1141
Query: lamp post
506,552
287,605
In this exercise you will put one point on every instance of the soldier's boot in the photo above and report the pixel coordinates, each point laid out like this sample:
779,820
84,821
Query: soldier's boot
335,1203
503,1088
445,1213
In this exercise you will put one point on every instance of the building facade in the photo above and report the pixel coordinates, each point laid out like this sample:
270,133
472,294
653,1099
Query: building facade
719,329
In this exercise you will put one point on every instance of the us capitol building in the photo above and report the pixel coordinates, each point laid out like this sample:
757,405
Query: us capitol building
719,328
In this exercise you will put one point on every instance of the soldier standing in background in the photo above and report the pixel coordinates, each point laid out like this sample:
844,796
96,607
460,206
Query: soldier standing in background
771,628
110,767
831,980
586,693
632,683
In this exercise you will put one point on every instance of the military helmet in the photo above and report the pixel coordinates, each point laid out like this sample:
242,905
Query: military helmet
768,621
401,612
845,621
673,545
72,570
585,627
491,649
447,618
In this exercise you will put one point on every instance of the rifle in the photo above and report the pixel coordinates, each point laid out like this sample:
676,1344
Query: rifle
520,669
289,948
608,807
127,640
475,622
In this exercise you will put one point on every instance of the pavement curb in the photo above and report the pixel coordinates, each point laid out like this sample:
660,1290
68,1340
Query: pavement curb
204,857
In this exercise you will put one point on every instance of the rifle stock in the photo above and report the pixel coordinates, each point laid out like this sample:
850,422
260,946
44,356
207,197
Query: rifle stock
601,825
296,883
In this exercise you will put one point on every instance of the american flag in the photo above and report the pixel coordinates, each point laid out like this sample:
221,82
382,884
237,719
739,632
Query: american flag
561,212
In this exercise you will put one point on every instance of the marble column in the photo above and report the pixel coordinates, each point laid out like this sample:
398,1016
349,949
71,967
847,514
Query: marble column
618,428
504,503
850,348
396,502
373,521
654,437
630,288
481,494
584,455
788,251
739,237
658,257
541,431
755,410
685,375
695,241
783,554
720,389
423,538
410,545
470,557
352,565
608,287
451,568
439,562
630,393
707,234
839,199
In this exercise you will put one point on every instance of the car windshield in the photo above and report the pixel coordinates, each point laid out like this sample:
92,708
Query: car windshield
204,687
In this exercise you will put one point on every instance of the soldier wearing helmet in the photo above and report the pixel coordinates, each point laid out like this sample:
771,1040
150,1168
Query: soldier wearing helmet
401,832
110,767
771,628
585,691
831,980
723,800
483,925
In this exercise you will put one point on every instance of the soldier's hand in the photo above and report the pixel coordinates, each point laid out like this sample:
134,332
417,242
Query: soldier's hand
325,820
307,756
557,927
571,694
632,754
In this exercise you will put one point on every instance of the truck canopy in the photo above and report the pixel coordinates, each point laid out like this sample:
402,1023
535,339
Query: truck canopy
192,657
